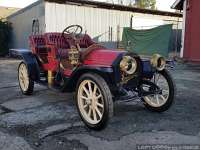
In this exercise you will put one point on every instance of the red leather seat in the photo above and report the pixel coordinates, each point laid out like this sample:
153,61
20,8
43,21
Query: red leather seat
59,45
38,46
37,40
56,40
85,41
62,45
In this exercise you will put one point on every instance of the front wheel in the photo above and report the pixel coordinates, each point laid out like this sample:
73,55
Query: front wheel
25,82
160,102
94,101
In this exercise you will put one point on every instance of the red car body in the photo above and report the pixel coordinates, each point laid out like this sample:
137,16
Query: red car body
46,48
101,57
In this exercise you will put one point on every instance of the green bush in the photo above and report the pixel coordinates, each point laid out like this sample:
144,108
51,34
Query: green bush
5,37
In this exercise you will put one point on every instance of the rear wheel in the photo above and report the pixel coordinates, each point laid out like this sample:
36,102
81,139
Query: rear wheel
160,102
94,101
25,82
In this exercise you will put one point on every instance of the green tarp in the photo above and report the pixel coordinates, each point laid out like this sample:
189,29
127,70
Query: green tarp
148,42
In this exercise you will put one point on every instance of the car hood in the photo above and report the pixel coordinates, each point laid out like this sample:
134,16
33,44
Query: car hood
102,57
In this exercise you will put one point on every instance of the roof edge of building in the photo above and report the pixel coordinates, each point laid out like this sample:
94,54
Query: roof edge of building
101,5
178,4
117,7
25,8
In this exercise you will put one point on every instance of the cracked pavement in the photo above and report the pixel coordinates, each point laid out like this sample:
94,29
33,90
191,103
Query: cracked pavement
48,120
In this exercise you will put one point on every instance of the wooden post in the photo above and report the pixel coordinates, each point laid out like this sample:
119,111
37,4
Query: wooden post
118,36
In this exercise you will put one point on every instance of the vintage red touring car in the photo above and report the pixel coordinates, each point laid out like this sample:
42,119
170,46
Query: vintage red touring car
71,61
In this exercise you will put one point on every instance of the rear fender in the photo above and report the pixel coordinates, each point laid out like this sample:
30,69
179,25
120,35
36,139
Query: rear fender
33,68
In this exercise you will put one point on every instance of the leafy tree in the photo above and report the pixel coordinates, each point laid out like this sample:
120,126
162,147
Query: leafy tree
5,36
149,4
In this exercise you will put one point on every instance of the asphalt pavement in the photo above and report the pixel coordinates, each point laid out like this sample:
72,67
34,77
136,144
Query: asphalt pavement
49,120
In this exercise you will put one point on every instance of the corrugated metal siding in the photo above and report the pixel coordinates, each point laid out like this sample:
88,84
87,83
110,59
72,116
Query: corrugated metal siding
96,20
22,25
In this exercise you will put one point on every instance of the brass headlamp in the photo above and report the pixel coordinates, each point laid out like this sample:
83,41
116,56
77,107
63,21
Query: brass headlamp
128,65
158,62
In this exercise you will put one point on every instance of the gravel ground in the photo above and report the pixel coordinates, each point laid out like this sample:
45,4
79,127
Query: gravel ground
48,120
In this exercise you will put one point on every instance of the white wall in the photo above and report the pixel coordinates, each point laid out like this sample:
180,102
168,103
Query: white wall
97,20
147,21
22,24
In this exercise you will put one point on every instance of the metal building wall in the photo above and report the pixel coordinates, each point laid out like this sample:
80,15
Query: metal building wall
22,24
101,24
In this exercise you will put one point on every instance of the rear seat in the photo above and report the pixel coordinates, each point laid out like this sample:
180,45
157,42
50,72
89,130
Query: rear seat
57,40
38,46
37,41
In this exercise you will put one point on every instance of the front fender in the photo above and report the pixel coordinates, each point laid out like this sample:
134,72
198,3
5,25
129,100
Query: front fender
148,70
105,72
33,68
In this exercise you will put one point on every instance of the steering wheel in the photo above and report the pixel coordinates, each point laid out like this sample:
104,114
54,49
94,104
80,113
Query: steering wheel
72,31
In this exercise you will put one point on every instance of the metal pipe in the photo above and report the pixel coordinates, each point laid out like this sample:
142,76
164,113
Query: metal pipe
50,78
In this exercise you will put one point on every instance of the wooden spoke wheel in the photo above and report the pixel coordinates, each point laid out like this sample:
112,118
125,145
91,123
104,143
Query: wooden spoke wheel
25,83
161,101
94,101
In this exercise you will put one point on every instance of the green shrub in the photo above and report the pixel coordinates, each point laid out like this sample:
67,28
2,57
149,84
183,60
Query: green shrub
5,37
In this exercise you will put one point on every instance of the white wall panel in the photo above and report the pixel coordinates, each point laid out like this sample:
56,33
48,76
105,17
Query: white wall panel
95,20
22,24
